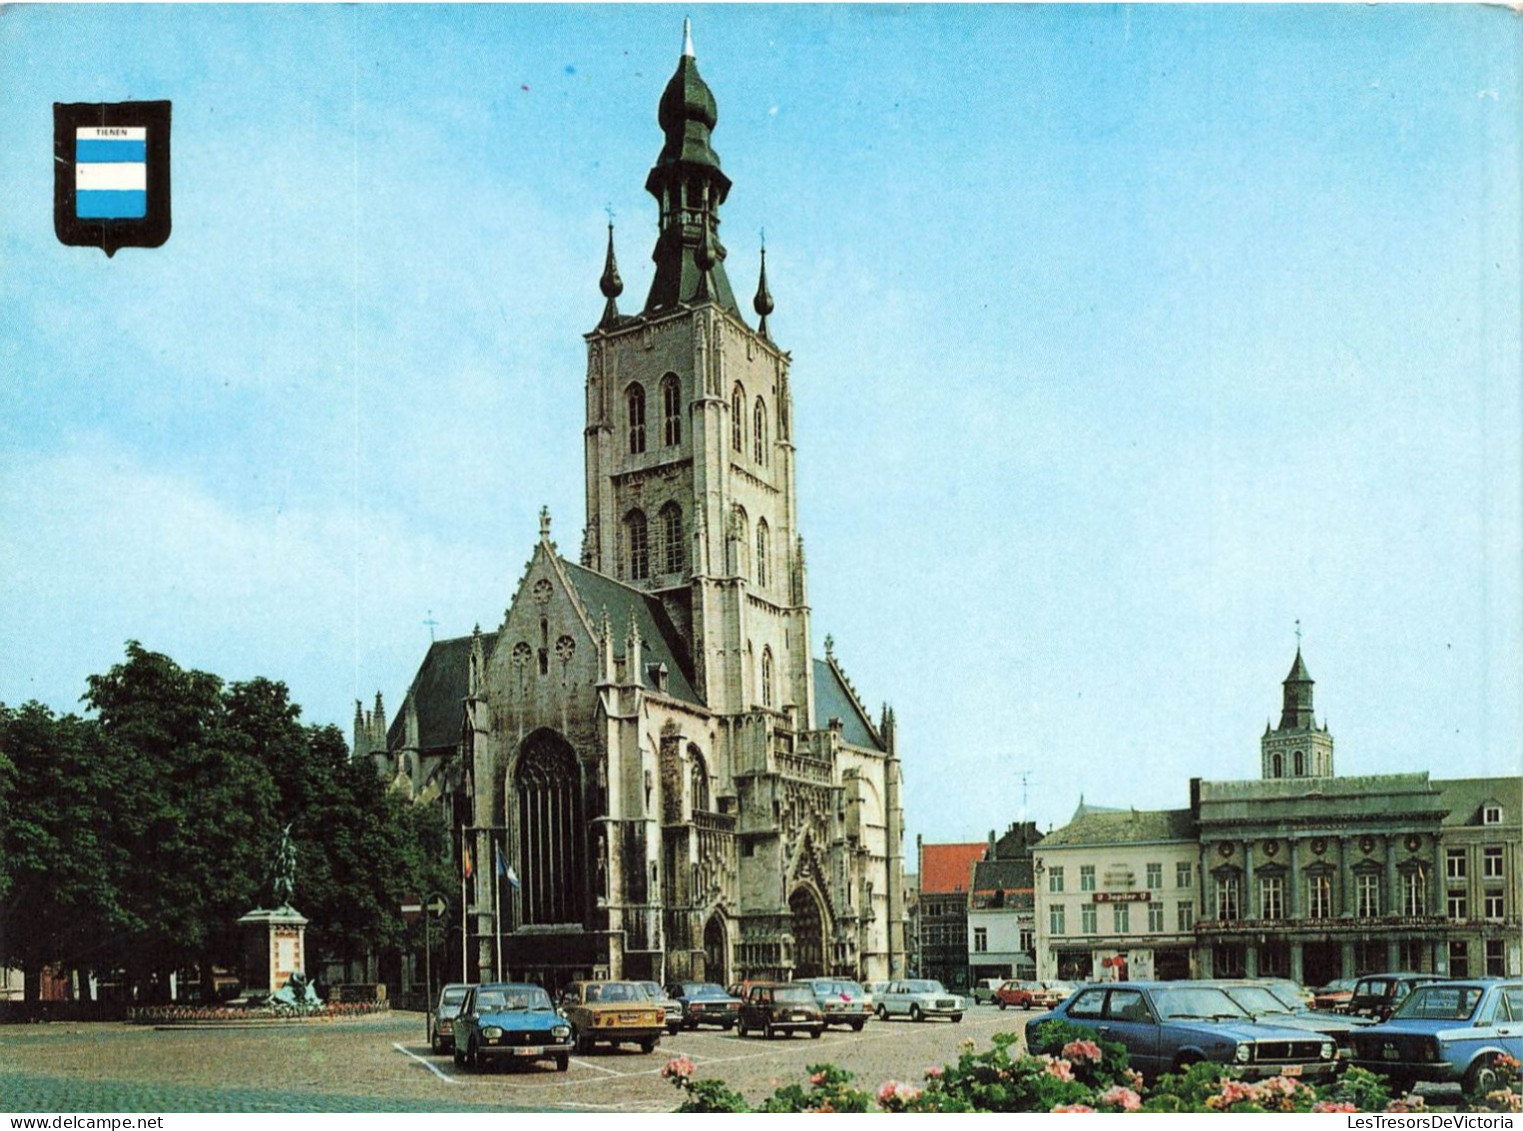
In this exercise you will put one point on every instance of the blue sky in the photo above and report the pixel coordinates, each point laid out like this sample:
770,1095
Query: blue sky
1123,338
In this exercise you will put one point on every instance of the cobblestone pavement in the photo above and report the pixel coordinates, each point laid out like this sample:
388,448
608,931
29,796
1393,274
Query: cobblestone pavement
383,1064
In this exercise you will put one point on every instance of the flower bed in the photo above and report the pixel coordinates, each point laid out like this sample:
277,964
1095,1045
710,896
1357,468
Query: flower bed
236,1015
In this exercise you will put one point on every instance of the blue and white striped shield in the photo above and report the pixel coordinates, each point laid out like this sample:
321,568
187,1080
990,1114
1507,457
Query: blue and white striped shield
111,172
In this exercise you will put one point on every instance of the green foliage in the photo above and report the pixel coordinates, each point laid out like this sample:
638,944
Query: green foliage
1360,1087
830,1090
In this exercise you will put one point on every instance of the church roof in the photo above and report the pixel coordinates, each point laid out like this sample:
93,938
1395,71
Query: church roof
834,700
1129,826
437,692
660,640
948,868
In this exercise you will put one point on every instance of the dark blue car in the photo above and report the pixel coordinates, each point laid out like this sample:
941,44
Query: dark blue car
1447,1032
513,1022
1167,1026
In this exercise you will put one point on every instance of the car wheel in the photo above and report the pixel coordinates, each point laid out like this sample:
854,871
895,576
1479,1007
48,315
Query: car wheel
562,1061
459,1054
883,1013
583,1043
649,1044
744,1032
728,1025
1002,1004
1482,1077
957,1018
473,1057
1400,1086
768,1031
814,1034
1184,1060
915,1014
856,1026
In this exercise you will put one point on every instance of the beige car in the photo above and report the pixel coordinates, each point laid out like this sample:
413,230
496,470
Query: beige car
612,1013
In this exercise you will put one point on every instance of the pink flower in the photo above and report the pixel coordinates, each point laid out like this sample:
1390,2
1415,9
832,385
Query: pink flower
886,1091
1072,1108
679,1068
817,1079
1329,1105
1082,1050
933,1073
1121,1097
1133,1077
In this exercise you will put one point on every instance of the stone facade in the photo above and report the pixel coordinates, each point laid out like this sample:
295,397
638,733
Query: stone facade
651,774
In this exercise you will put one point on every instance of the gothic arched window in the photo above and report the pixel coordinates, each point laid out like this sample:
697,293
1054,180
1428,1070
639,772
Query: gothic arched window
1277,765
738,419
671,410
639,547
763,549
759,430
673,544
698,775
766,681
551,832
634,400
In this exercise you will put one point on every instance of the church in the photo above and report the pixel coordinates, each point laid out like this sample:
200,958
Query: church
649,772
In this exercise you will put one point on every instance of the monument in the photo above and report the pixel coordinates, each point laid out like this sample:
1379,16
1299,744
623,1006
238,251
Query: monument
274,940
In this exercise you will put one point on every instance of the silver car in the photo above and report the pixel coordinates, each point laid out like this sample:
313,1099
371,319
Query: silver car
917,999
672,1006
441,1019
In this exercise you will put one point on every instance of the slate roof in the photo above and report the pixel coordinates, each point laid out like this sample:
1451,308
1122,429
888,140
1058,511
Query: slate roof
834,700
990,876
1131,826
1267,800
948,868
1463,797
438,692
660,640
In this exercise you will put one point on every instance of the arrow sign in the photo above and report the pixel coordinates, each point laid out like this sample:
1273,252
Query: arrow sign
436,908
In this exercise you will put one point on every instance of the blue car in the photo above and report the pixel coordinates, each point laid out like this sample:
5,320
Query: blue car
1447,1032
509,1021
1167,1026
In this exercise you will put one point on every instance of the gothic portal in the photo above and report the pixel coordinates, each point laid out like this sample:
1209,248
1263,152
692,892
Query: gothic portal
649,772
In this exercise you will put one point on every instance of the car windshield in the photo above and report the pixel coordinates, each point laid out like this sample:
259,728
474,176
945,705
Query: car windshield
1374,987
652,990
1440,1003
615,991
793,993
512,999
454,995
1195,1003
924,987
1256,999
849,991
706,989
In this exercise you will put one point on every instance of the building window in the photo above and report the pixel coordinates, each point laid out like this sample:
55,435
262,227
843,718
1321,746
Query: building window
673,541
1459,959
1226,898
1184,875
1319,895
759,430
1493,904
1055,879
671,410
634,401
1458,906
1055,919
1491,814
766,677
1155,918
1491,863
1088,921
1414,892
698,779
1299,759
1121,917
1454,864
1496,958
1271,897
1368,892
738,419
1028,940
1086,877
763,552
1155,877
1186,918
1277,765
551,839
639,548
981,940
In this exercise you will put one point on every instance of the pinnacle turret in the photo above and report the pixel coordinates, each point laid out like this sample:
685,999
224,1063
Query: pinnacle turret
610,284
762,303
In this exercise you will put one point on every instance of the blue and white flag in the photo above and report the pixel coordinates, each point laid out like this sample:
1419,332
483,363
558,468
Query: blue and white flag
111,172
505,869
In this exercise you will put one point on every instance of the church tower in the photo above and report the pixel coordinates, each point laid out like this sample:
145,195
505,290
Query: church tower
689,453
1297,748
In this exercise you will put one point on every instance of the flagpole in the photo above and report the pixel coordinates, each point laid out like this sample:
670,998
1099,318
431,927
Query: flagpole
465,915
497,904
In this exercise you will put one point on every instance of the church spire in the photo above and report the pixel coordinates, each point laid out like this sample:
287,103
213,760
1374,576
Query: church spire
689,187
1296,707
610,284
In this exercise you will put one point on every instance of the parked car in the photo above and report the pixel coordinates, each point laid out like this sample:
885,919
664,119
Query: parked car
704,1003
1447,1031
1166,1026
1288,991
441,1019
984,990
669,1005
871,989
842,1001
510,1021
770,1009
1271,1004
1335,995
1054,994
612,1013
1022,995
917,999
1377,995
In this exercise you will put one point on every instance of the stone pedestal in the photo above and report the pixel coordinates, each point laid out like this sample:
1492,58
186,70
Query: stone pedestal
274,948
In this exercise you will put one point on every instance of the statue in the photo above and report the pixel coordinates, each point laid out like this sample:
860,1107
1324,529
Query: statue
284,881
298,994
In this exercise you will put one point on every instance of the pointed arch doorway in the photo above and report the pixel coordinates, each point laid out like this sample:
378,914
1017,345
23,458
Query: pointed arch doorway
715,968
808,934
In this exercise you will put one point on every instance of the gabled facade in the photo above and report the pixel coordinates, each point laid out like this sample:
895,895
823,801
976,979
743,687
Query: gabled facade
646,745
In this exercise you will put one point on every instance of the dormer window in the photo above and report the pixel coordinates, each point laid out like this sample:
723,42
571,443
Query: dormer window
1491,813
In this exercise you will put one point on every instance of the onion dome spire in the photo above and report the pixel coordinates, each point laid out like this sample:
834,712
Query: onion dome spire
610,284
762,303
689,186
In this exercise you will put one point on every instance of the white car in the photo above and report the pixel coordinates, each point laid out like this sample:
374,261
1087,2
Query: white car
917,999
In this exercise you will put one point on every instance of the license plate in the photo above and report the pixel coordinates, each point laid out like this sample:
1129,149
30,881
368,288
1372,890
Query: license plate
630,1018
529,1050
1291,1070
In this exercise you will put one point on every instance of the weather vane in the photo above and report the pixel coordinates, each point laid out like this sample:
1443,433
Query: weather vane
608,208
432,624
1298,634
